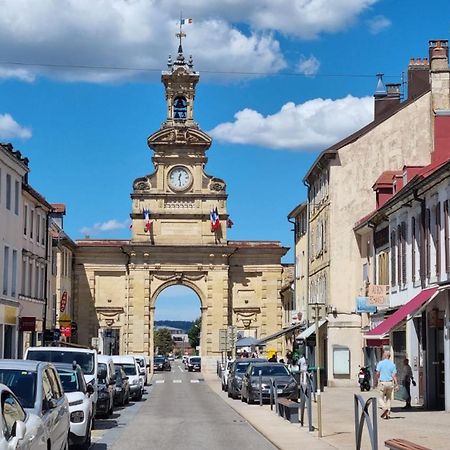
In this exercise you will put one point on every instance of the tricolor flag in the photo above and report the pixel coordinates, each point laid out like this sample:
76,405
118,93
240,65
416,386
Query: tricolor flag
215,220
185,21
148,222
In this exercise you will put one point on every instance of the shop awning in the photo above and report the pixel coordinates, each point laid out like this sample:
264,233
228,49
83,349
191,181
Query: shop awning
280,333
310,330
394,320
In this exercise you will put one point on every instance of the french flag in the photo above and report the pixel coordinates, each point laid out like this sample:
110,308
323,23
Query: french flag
215,220
148,223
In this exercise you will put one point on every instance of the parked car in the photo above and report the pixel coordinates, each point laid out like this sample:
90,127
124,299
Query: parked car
84,357
194,364
161,363
237,371
270,372
106,380
225,372
38,387
122,390
16,429
81,405
131,368
143,366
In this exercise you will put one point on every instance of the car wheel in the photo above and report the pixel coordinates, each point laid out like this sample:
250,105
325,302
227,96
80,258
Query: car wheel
127,399
249,400
242,397
229,393
88,441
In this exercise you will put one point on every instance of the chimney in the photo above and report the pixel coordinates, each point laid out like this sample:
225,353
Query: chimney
440,75
418,77
387,97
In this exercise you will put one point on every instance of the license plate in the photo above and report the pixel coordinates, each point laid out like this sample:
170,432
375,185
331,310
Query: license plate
279,391
361,377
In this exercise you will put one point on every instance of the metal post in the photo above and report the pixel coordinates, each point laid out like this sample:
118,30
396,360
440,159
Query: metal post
260,389
276,396
271,394
319,397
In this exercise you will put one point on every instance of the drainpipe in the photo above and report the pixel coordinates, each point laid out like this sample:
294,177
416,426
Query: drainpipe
230,297
47,257
308,238
294,222
422,249
127,301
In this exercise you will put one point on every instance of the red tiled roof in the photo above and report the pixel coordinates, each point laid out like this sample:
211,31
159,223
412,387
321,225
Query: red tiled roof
365,218
59,208
387,176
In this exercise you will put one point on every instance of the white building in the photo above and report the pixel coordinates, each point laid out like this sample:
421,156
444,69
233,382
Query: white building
13,169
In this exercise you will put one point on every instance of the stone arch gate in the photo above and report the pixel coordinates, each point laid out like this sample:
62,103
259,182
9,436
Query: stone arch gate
116,284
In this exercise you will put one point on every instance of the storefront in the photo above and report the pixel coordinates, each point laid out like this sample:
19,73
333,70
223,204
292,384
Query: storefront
8,331
30,323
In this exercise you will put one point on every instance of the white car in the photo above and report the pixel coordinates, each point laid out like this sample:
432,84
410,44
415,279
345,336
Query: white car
225,373
142,360
81,405
13,429
131,369
37,386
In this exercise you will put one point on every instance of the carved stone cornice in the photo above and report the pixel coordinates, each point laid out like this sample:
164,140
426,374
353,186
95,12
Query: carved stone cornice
177,276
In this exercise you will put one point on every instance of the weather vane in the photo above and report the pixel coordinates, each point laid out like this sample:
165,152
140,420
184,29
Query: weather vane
181,34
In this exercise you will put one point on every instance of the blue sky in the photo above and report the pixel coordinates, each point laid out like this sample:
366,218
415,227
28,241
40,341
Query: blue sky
85,130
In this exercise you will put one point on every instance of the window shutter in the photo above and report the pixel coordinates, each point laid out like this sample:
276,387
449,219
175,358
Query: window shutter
446,238
428,242
403,246
438,239
413,249
393,259
399,255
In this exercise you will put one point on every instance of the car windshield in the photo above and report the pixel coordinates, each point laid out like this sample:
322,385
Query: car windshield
118,373
241,367
159,360
195,360
69,380
84,360
22,383
270,370
101,367
129,369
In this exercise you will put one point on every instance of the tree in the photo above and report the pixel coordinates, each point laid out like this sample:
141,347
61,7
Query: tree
163,343
194,333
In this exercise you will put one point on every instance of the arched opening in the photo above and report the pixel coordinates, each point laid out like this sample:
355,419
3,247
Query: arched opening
177,322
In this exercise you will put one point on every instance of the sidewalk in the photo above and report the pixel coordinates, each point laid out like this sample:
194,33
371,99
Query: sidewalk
428,428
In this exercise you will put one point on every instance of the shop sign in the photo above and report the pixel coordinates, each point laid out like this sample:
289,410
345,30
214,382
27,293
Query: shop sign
27,323
377,295
363,306
66,331
10,315
63,304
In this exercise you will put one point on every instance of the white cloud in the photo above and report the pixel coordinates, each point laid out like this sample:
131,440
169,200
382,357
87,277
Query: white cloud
378,24
308,66
313,125
102,227
10,129
140,34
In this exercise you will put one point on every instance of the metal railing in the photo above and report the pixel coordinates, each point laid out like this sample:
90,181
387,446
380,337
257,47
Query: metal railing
362,416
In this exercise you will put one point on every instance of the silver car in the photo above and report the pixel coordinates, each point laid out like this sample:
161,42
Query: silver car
38,387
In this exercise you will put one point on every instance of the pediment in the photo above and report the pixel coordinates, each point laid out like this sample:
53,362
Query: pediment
186,136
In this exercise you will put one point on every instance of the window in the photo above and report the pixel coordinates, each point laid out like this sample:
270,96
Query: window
383,268
31,223
8,191
428,243
56,387
11,412
393,259
437,239
16,198
30,278
5,269
14,273
179,108
446,238
403,252
44,231
36,281
47,387
25,219
24,272
38,228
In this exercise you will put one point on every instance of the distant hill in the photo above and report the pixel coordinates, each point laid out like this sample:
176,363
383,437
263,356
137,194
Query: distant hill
182,324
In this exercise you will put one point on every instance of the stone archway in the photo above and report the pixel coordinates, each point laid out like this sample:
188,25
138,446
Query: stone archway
154,297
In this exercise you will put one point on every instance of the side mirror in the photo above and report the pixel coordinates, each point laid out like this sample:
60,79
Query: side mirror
19,430
90,389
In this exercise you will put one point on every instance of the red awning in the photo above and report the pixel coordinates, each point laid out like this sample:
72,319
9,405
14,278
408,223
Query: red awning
385,327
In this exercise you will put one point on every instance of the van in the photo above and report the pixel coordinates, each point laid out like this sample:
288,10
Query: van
84,357
142,360
132,370
106,380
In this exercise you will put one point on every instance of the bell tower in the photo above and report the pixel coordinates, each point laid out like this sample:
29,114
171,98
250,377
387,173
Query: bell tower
173,205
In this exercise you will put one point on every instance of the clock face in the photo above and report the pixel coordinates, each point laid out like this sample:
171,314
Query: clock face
179,178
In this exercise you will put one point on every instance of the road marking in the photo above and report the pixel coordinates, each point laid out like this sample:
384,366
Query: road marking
181,370
159,381
177,381
195,381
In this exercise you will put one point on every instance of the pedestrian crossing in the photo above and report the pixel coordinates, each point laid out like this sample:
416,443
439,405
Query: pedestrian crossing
195,381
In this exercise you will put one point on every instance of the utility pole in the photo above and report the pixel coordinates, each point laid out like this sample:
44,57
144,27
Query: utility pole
316,308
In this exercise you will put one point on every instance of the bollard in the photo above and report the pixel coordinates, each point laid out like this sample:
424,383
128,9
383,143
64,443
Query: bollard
276,396
271,394
260,389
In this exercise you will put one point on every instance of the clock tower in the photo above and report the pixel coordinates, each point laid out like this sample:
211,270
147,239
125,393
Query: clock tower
172,205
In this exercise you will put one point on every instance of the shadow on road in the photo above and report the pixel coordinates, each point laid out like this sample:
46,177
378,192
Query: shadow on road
99,446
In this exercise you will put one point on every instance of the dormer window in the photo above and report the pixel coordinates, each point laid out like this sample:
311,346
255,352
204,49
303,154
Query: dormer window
179,108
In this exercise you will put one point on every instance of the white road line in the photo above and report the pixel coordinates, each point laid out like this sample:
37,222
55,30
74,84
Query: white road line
181,370
195,381
177,381
159,381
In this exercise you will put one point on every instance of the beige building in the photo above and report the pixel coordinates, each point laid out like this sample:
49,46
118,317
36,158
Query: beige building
179,224
340,193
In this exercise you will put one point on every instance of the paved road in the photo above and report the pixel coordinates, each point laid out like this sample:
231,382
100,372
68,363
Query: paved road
181,412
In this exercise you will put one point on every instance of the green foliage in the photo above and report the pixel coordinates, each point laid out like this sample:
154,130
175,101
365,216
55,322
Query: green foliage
194,333
163,343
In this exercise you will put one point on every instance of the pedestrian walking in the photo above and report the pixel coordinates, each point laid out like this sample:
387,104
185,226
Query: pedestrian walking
386,378
407,379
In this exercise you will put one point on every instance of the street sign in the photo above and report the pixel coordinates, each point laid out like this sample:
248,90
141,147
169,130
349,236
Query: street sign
63,303
223,340
231,337
377,295
313,308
